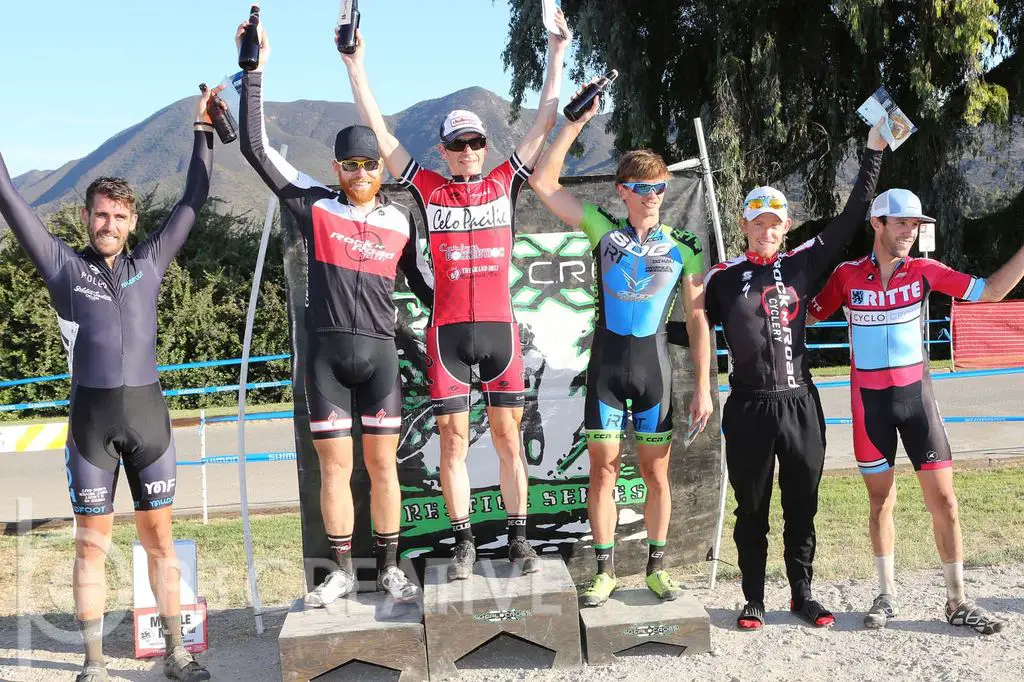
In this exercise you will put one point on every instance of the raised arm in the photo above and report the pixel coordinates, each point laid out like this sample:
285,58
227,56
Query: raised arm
396,158
44,249
1003,280
528,149
544,179
290,185
829,245
163,245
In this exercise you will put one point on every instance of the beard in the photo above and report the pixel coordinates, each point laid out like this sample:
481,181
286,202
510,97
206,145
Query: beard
361,195
107,247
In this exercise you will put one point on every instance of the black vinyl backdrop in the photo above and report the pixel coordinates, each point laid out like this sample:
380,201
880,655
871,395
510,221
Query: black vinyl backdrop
552,293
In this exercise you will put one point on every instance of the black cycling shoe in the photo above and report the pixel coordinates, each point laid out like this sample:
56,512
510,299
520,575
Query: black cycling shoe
460,566
179,665
751,617
523,556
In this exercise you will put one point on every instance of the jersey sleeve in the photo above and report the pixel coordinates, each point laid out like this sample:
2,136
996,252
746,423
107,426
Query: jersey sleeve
829,245
829,298
513,174
690,248
596,223
417,273
163,245
946,280
296,190
46,251
421,183
710,297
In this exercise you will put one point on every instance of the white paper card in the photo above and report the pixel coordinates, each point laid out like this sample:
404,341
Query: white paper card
898,128
548,9
345,13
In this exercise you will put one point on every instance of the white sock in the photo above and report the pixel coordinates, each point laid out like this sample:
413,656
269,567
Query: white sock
886,572
954,575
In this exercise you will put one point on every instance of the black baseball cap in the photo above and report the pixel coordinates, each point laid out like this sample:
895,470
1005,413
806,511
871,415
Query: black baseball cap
356,141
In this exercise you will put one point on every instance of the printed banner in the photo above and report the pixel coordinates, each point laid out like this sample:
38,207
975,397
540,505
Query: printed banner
553,295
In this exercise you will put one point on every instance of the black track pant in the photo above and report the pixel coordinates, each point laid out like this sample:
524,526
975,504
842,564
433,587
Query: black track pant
759,426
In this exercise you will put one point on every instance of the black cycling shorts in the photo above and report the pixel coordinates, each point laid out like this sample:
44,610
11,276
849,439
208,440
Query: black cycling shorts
350,374
880,413
453,349
109,427
629,373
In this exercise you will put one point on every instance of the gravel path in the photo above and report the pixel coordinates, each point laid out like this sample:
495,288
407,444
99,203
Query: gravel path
919,646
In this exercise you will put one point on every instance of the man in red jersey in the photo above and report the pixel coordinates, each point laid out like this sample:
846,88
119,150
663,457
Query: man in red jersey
883,296
469,220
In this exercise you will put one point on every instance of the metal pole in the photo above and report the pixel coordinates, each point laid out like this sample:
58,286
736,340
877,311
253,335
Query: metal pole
242,380
202,458
927,327
709,186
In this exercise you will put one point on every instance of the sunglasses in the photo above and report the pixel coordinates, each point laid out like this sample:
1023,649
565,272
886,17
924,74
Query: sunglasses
645,188
476,144
351,165
757,203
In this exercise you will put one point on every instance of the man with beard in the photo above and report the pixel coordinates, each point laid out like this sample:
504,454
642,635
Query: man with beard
470,220
105,298
355,240
883,296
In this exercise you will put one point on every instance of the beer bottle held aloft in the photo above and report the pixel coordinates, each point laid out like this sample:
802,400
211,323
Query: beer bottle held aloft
223,121
348,22
249,50
581,103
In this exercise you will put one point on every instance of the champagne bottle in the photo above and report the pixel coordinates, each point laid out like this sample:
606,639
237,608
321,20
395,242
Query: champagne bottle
249,50
348,22
223,121
580,104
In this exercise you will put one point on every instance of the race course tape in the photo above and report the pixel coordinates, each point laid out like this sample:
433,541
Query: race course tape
33,437
233,459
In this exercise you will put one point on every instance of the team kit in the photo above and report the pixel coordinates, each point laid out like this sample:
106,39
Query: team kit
357,240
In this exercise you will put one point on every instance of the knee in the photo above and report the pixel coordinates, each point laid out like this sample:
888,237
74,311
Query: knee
603,475
454,446
506,437
944,507
882,506
90,551
382,472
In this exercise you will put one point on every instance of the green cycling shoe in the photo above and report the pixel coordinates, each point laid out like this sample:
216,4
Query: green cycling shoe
661,584
601,587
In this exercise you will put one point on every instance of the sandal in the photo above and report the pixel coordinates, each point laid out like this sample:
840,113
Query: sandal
751,617
814,613
969,614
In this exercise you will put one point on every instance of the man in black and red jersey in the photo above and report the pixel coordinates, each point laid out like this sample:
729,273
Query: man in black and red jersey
355,241
469,220
760,299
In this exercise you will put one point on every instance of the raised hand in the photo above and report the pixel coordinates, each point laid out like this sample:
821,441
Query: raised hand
202,107
354,60
264,41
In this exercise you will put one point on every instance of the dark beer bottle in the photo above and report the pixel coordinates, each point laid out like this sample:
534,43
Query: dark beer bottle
349,14
223,121
249,50
580,104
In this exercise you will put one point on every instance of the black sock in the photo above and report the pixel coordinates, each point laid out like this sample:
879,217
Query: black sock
463,530
387,550
172,632
605,558
516,527
92,635
341,550
655,555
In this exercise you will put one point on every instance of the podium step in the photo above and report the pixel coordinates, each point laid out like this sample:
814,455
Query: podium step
463,616
366,628
637,618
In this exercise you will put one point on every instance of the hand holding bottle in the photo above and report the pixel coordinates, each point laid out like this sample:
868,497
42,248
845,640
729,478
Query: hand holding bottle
263,40
202,114
353,60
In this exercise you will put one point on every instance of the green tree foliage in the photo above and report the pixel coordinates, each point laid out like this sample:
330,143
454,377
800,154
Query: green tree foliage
777,85
201,313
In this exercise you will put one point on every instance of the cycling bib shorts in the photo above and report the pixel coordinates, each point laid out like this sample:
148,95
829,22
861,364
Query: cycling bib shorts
494,347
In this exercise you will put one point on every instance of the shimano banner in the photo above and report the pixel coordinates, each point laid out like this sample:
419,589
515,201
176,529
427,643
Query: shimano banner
553,295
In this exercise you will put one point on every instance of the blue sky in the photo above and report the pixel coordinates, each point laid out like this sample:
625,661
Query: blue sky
75,73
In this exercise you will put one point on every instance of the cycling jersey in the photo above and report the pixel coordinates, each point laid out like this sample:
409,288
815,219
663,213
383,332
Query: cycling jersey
107,315
890,383
107,319
762,303
469,222
637,282
352,259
